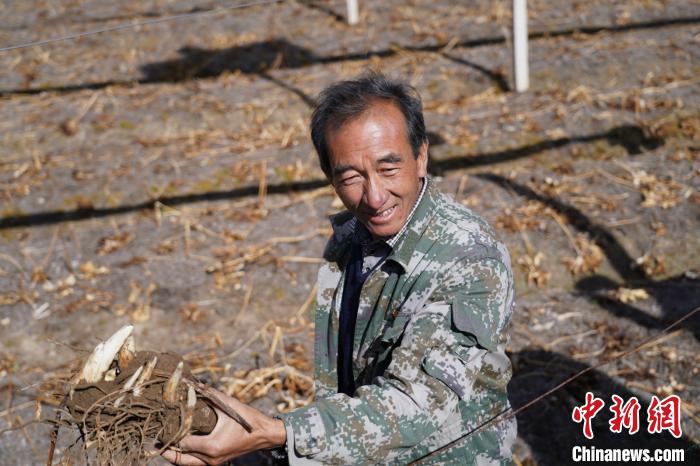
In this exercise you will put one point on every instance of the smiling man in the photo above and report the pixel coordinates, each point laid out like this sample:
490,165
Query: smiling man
373,168
412,305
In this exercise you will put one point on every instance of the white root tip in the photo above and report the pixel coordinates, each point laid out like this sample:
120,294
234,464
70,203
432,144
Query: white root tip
145,375
127,386
90,372
110,375
101,358
130,383
191,397
126,352
189,413
170,392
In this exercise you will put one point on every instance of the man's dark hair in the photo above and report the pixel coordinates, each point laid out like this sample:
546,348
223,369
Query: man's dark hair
345,100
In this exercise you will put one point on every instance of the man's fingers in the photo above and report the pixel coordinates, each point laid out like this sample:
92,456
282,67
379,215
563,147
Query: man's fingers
207,444
204,443
228,440
195,443
183,459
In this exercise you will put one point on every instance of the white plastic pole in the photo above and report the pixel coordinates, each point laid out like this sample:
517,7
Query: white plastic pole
353,12
520,62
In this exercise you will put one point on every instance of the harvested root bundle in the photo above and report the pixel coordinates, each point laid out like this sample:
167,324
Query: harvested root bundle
123,401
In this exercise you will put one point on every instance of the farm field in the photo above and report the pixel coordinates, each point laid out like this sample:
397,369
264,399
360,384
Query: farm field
163,176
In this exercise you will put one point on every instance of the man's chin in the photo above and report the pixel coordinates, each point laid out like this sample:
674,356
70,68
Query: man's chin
382,231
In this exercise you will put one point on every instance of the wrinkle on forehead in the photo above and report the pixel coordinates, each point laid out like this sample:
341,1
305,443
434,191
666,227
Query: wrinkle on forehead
377,107
379,127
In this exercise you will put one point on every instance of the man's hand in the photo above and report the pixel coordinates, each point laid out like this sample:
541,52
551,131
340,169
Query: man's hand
229,439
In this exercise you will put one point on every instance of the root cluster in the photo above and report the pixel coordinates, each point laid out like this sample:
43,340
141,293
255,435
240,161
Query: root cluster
126,403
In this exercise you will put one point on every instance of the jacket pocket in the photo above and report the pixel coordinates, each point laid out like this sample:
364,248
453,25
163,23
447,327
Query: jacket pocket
391,335
379,353
457,372
471,315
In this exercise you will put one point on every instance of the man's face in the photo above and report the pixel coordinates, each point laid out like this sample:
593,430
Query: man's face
373,168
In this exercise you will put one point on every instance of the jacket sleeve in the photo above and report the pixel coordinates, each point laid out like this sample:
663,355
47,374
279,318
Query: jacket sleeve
435,365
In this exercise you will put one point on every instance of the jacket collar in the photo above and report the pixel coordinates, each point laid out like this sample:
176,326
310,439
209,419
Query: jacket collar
405,247
343,225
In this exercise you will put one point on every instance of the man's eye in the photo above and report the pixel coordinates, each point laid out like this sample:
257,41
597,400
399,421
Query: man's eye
390,171
349,180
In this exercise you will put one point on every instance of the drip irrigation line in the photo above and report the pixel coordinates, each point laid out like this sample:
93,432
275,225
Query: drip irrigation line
148,22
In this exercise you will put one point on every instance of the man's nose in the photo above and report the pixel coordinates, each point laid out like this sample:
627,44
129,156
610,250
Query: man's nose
375,195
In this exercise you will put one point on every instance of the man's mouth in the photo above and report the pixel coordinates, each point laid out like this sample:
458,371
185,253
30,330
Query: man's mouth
383,215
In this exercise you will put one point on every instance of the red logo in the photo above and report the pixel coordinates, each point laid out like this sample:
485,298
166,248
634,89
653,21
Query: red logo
665,415
661,415
587,412
626,415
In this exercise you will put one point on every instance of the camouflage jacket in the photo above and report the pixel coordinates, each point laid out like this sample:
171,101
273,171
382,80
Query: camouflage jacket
428,354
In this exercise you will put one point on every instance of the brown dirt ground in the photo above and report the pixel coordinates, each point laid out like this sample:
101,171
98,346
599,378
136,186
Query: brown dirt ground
163,175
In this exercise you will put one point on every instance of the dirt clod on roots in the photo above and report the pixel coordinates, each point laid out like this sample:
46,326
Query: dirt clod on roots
118,423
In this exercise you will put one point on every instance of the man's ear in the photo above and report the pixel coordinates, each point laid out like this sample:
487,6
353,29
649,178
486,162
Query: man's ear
423,160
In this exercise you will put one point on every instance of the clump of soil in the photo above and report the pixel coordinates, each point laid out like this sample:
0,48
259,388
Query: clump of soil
144,399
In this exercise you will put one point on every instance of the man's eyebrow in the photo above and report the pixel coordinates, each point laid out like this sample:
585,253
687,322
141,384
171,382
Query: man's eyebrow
390,158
